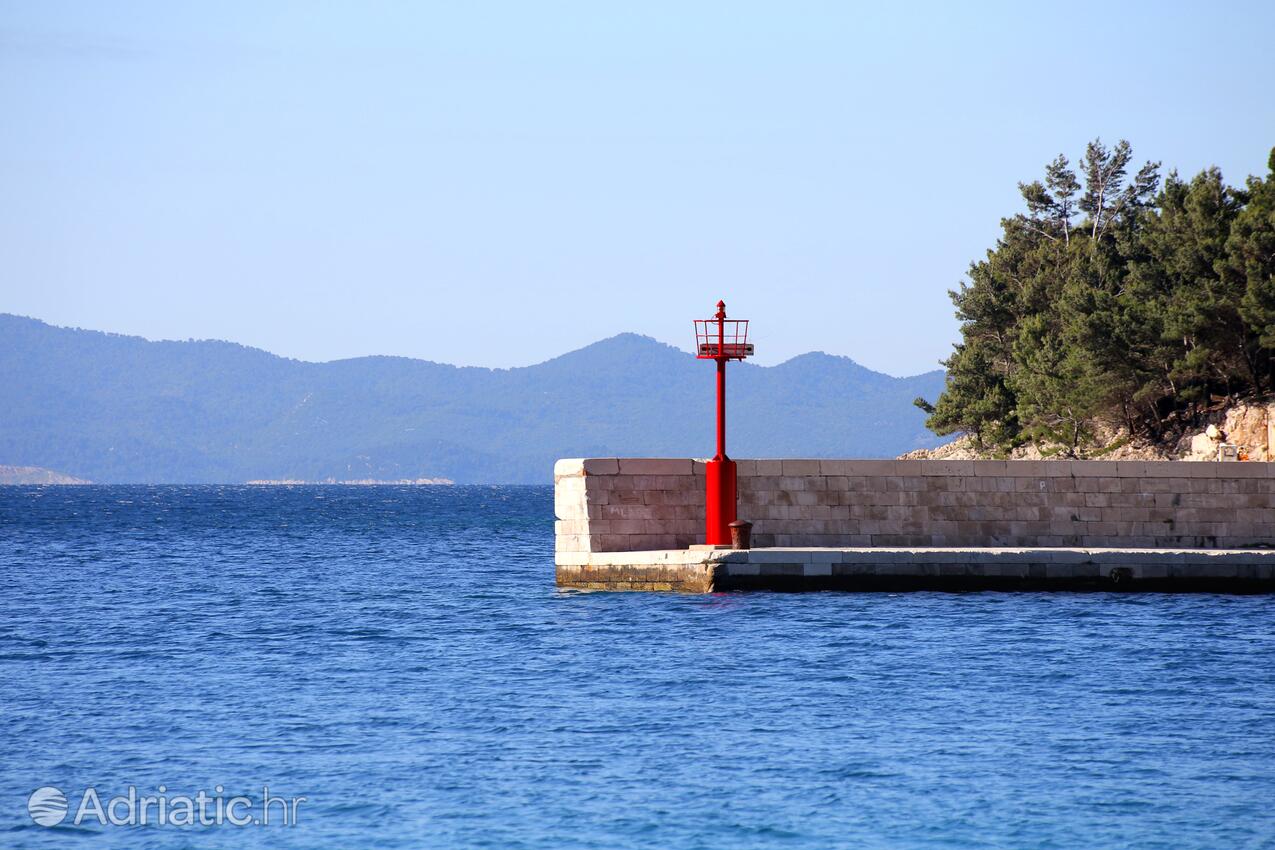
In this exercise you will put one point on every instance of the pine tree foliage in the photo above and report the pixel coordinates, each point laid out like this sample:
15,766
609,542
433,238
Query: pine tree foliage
1113,301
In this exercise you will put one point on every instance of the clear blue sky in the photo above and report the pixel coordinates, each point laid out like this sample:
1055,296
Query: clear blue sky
495,184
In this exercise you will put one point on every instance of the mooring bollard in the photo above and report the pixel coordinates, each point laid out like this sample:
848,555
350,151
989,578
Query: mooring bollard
741,534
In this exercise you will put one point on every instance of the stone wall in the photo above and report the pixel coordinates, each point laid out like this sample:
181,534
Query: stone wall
623,504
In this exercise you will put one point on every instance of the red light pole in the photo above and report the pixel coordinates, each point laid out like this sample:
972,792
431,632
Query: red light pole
721,339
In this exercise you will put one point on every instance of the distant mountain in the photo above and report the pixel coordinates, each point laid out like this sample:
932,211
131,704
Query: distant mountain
36,475
115,408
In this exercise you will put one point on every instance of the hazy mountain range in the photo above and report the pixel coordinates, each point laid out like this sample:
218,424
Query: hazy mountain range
114,408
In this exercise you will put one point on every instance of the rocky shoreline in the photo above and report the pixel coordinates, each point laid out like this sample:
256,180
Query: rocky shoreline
1238,432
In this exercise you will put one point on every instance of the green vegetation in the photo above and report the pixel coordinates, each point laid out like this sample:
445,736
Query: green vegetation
1114,305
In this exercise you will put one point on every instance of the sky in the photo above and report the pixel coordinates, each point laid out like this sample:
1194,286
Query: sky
498,183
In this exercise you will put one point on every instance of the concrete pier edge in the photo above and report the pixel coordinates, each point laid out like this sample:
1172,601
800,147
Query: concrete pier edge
906,569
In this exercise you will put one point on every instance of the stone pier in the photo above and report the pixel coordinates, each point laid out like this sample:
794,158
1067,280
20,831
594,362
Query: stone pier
630,523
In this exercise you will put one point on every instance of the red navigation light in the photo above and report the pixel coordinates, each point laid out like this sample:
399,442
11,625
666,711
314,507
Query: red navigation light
721,339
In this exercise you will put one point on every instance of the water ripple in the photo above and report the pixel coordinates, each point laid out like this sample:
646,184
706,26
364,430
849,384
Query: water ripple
400,657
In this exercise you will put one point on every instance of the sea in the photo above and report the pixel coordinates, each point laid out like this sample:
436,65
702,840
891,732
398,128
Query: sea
393,667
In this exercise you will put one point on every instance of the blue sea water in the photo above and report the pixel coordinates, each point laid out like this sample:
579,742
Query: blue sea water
401,658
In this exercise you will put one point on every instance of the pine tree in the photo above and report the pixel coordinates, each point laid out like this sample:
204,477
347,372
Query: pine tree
1183,240
1107,300
1250,262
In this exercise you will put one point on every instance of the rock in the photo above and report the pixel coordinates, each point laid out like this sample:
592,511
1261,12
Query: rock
1246,425
1201,447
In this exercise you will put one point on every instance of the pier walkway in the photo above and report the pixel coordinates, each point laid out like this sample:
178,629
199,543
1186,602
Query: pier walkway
704,570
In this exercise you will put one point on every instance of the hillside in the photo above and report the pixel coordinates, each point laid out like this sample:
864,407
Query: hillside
114,408
35,475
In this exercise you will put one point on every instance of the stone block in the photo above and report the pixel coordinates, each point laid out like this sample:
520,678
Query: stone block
609,543
1097,500
571,542
1249,469
655,466
900,568
687,497
888,484
770,467
951,483
908,467
1027,468
571,527
574,484
854,568
569,503
859,483
792,467
624,512
838,483
1135,469
868,468
1109,485
645,483
792,483
1133,484
601,466
766,482
792,568
568,466
1258,517
626,526
1093,468
597,483
1005,484
1052,468
951,468
1199,469
991,468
